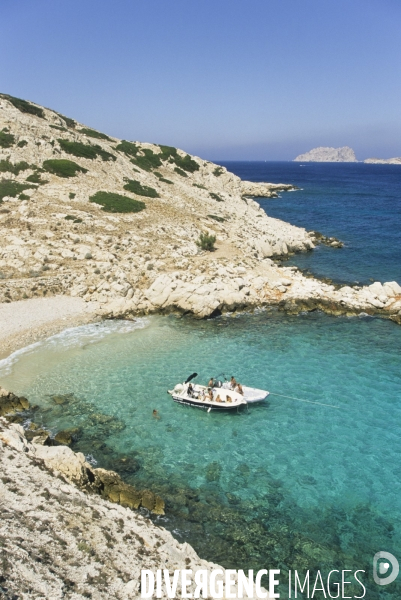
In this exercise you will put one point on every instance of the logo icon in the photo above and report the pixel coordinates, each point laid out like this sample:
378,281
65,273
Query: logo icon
382,561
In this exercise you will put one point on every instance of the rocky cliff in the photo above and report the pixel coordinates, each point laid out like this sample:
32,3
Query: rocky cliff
56,541
327,154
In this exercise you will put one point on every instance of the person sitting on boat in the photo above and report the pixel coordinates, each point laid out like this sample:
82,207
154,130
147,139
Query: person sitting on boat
210,394
190,390
239,389
233,383
228,398
218,399
211,383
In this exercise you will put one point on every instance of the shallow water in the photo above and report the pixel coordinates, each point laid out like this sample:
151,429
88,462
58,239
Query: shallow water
288,484
358,203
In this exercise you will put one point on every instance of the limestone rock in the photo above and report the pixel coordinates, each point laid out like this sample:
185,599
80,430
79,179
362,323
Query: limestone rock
327,154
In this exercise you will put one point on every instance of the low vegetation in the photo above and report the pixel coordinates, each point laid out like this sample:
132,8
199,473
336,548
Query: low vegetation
217,218
117,203
148,161
128,148
141,190
216,197
164,180
63,167
58,127
185,163
6,139
85,150
72,218
71,195
218,171
69,122
36,178
206,242
22,143
200,186
8,167
94,134
180,172
12,188
24,106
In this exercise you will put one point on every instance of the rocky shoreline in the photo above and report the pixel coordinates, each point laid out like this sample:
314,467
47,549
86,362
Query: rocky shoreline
69,530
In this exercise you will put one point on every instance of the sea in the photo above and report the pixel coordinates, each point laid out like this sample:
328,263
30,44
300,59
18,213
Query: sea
310,479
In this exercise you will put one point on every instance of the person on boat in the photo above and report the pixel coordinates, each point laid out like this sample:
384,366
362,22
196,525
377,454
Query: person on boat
239,389
155,414
228,398
218,399
190,390
211,383
210,394
233,383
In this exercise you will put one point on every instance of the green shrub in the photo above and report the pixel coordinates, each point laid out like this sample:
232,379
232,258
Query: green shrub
141,190
129,148
69,218
199,185
22,143
9,187
148,162
36,178
59,128
6,139
164,180
186,163
85,150
218,171
23,197
63,167
206,242
24,106
71,195
94,134
216,218
116,203
7,167
69,122
180,172
216,197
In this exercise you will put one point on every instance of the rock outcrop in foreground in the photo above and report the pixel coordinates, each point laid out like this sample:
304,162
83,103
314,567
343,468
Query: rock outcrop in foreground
58,542
327,154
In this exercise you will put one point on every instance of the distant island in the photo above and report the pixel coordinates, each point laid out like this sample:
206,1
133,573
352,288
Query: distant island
383,161
327,154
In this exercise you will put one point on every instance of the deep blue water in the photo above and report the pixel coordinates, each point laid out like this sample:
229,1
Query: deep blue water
358,203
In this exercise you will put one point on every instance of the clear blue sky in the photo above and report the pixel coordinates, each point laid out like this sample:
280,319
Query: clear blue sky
224,79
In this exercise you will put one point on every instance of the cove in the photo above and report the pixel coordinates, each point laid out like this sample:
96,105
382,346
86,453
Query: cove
287,485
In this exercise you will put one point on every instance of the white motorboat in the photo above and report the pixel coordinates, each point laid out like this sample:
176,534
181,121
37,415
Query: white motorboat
218,397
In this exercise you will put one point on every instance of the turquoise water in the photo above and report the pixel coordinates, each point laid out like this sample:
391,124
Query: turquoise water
288,484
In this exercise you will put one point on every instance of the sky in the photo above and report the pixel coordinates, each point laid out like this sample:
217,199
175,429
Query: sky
222,79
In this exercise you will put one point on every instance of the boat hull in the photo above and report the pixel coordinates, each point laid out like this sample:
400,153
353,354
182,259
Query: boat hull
207,405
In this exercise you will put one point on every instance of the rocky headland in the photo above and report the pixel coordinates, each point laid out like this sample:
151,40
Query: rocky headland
328,154
118,224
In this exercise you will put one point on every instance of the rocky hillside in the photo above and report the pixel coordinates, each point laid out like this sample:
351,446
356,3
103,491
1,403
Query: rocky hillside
327,154
101,217
136,228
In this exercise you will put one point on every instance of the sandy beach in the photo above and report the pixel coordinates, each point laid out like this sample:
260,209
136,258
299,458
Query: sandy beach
27,321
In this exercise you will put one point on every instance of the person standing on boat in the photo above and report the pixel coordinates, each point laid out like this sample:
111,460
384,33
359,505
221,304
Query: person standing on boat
211,383
233,383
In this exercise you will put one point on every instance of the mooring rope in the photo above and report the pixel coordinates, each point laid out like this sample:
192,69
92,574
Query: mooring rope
303,400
